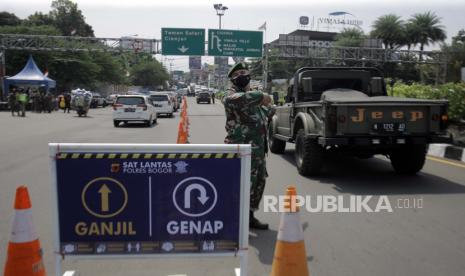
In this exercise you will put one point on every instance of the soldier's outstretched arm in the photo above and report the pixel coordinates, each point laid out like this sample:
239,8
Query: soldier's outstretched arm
245,99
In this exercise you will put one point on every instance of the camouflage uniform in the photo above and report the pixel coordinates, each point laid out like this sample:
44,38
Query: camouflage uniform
247,123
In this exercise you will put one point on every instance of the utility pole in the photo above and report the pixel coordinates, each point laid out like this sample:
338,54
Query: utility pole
220,10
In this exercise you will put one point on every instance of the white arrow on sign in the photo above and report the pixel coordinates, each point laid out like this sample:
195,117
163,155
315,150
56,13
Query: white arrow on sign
187,194
183,49
218,42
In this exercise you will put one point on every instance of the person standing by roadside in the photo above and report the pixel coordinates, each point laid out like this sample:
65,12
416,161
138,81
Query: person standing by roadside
22,101
67,98
12,101
213,97
247,115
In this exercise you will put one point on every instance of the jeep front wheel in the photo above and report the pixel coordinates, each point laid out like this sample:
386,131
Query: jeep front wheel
276,146
308,154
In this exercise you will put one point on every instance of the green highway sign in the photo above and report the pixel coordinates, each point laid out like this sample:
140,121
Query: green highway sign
235,43
184,42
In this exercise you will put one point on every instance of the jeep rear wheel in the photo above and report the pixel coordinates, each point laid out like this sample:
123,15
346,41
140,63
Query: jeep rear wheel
276,145
408,159
308,154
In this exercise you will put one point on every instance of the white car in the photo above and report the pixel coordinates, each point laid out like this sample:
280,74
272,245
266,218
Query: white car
162,103
134,108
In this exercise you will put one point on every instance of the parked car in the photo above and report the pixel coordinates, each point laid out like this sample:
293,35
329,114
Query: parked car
134,108
110,99
162,103
98,100
204,97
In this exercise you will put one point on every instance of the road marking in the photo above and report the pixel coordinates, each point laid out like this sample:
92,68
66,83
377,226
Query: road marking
446,162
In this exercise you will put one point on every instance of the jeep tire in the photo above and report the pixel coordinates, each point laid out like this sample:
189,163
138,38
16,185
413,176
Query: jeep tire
408,159
308,154
276,146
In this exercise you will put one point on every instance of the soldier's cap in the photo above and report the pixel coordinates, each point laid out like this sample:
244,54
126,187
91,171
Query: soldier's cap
238,66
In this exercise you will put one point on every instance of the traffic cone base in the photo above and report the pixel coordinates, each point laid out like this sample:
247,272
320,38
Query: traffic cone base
290,258
24,256
27,259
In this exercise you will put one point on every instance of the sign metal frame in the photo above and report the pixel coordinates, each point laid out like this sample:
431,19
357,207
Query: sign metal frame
245,155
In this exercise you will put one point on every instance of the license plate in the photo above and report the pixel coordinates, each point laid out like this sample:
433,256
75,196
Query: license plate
129,110
389,127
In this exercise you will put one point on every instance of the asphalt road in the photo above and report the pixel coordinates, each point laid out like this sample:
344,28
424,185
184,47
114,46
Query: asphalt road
415,241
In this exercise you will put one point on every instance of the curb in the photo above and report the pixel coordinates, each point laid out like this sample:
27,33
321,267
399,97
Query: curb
447,151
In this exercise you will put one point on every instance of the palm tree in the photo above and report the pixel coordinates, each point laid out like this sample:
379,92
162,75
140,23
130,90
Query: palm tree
426,29
389,28
350,37
410,37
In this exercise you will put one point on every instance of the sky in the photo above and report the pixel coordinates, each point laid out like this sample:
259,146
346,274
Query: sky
145,18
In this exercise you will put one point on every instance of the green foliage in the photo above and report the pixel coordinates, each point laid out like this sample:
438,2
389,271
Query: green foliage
149,73
454,92
69,19
39,19
350,37
456,56
426,29
70,70
9,19
390,28
30,30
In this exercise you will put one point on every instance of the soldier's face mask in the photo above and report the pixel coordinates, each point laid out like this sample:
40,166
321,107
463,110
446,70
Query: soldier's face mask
241,81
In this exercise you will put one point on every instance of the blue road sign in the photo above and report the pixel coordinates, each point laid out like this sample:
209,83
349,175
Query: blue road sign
146,203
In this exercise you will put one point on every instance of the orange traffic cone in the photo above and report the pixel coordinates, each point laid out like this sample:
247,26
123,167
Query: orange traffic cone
289,254
24,256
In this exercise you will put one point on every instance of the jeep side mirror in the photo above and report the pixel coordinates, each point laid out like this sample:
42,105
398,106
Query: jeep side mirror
307,84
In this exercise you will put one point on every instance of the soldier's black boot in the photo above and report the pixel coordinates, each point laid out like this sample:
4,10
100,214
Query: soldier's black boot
254,223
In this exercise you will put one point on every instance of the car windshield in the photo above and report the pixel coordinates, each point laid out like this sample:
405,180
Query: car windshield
204,94
159,98
130,100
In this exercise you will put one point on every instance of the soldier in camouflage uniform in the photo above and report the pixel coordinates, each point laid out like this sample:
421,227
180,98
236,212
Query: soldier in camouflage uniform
247,115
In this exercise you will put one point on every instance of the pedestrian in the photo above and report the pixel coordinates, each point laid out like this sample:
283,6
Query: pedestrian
12,101
247,115
21,99
213,97
67,98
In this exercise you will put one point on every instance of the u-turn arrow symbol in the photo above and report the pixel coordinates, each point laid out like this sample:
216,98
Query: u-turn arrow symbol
187,194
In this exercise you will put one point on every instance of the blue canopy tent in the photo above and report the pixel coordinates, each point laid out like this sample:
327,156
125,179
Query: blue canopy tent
29,76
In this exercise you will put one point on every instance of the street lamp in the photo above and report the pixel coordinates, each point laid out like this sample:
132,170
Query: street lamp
220,10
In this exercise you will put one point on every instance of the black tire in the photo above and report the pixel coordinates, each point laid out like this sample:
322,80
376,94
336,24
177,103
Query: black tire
309,154
148,123
116,123
276,146
170,115
408,159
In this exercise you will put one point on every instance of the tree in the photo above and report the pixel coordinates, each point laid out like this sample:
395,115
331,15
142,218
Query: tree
350,37
426,29
390,28
9,19
455,56
149,73
110,69
39,19
69,19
